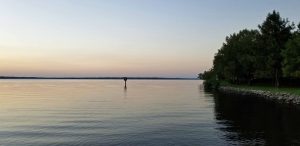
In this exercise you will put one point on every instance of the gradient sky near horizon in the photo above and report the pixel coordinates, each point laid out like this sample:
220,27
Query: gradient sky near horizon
167,38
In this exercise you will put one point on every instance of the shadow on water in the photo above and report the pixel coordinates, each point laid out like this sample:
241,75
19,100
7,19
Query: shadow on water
254,121
125,91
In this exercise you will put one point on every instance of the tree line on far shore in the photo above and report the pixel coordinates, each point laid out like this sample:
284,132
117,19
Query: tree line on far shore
271,52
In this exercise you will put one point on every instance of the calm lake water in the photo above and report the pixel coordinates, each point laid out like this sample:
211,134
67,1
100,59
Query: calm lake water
148,112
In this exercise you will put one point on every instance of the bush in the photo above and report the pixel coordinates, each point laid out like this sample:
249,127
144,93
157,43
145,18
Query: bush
211,84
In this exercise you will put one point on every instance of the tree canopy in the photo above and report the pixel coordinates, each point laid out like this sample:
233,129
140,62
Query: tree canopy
291,62
275,32
270,52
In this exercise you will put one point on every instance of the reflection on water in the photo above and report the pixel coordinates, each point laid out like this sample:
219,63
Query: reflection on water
160,112
125,91
103,112
253,121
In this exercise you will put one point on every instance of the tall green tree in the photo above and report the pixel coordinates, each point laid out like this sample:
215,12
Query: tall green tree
275,32
236,61
291,63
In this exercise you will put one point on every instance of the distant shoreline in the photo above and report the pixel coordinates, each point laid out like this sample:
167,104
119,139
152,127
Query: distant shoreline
97,78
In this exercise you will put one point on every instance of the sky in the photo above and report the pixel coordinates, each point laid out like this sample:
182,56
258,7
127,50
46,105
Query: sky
162,38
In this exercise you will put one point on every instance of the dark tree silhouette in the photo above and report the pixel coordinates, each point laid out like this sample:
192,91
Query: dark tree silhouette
236,61
275,32
264,54
291,56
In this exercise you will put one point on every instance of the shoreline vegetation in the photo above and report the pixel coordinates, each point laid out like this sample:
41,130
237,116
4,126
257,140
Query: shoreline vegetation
281,95
263,62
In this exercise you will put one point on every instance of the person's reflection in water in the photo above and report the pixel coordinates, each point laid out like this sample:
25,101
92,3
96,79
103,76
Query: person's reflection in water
125,91
125,87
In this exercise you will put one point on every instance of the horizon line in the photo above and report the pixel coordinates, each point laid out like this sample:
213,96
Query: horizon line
105,77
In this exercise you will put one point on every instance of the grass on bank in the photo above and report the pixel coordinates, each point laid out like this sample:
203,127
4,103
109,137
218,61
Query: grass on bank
289,90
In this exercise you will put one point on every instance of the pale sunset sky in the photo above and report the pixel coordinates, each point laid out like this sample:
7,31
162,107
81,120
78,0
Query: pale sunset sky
163,38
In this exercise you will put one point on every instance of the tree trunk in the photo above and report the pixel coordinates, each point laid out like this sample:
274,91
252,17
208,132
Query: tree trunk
276,78
250,81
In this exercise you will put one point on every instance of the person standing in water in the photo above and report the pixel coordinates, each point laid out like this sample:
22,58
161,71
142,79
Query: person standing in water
125,80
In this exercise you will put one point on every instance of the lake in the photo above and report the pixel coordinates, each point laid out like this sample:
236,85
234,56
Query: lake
147,112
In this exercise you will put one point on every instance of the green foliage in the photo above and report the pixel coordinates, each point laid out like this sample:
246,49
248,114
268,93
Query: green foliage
211,84
291,56
211,80
208,75
275,32
266,53
200,76
289,90
236,61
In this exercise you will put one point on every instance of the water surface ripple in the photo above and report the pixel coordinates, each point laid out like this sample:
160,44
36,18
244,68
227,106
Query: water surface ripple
158,112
